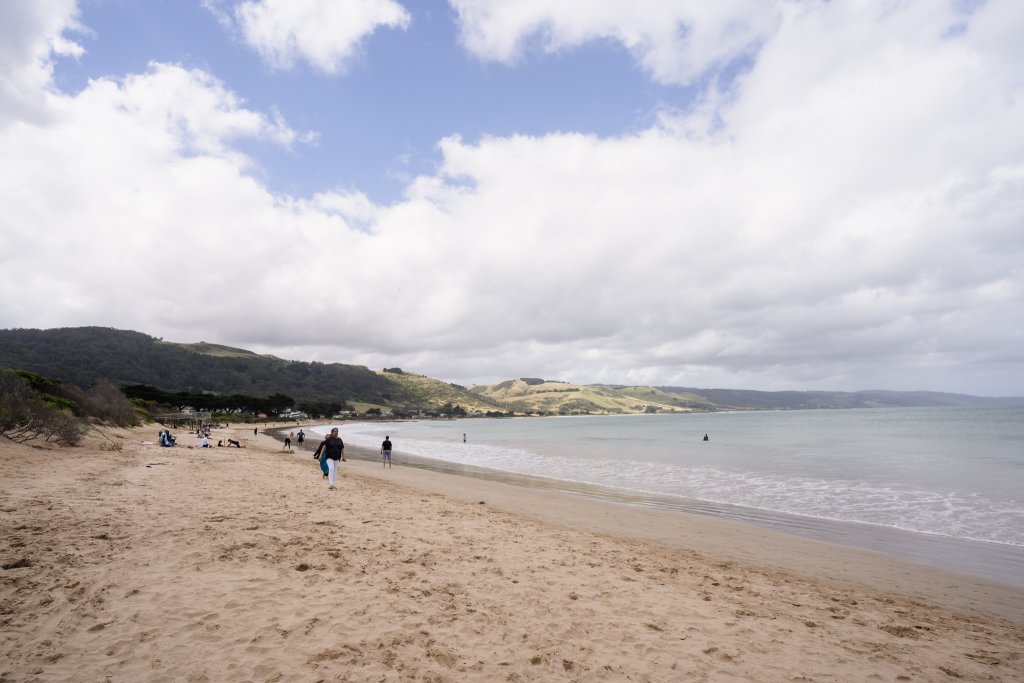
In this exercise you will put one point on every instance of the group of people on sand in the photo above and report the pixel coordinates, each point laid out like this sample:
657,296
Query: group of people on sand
166,440
329,453
291,435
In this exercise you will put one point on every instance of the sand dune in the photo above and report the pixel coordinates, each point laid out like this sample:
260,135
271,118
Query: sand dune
153,564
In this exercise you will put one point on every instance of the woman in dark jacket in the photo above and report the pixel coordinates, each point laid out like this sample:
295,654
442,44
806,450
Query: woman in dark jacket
333,449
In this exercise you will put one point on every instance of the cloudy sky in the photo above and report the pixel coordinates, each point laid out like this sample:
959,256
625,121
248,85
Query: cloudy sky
746,193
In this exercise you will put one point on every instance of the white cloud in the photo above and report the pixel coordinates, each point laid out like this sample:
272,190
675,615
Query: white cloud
854,201
30,33
132,191
675,41
850,217
192,109
324,33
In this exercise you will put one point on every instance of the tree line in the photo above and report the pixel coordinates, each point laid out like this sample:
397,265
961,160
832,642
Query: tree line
274,404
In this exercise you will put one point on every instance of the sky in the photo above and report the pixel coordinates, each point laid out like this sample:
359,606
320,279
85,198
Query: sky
752,194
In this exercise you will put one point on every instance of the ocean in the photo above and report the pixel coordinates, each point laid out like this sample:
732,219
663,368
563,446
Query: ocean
943,486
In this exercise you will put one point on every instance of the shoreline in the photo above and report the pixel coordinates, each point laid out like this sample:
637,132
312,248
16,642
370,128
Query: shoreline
160,564
999,563
731,539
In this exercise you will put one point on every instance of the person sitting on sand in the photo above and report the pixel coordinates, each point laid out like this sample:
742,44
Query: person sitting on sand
204,442
166,439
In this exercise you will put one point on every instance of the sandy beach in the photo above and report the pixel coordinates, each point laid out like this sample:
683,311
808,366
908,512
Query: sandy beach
155,564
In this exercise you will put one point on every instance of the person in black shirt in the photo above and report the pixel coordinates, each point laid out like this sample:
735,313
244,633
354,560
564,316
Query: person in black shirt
385,451
333,449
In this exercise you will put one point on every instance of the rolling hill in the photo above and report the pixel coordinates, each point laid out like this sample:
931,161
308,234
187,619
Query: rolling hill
80,355
529,395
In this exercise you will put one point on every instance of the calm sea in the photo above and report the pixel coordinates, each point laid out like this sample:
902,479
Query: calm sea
941,485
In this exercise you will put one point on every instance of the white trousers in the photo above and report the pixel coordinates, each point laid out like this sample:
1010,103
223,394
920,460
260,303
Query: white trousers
332,471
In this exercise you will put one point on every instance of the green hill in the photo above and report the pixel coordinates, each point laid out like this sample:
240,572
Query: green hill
81,355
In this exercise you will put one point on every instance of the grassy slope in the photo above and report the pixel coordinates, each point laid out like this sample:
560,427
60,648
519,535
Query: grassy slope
435,393
681,400
558,397
215,350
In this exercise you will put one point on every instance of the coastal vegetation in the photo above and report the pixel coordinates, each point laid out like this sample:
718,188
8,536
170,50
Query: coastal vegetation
33,408
159,400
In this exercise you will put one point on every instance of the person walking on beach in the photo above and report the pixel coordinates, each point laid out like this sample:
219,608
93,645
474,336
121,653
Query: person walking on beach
302,436
333,449
288,442
385,451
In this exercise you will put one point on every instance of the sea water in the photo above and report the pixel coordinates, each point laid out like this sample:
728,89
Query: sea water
944,485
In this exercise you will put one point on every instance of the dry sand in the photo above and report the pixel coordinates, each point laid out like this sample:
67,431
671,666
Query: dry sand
156,564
